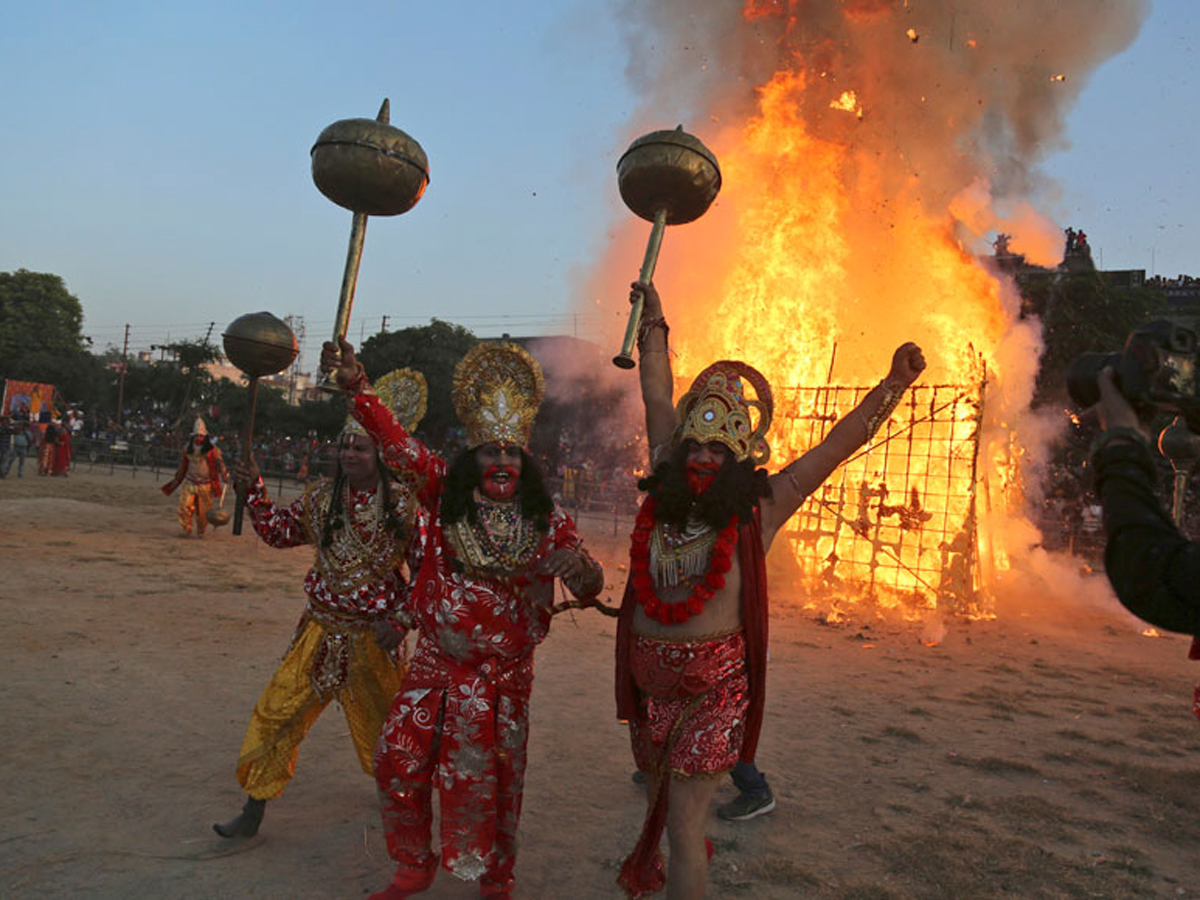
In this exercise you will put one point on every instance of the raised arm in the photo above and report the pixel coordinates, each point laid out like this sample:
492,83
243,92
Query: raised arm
792,484
654,368
406,456
277,526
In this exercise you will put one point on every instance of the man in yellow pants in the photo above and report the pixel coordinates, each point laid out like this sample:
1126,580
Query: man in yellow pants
348,645
203,475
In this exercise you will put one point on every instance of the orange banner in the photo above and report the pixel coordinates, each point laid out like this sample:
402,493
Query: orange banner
30,396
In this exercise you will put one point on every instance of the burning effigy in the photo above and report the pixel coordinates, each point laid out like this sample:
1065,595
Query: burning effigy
869,152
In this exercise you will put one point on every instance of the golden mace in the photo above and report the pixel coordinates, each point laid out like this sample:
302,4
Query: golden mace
259,344
372,169
668,178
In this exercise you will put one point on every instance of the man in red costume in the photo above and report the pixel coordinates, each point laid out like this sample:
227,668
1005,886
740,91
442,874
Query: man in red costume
63,450
203,475
489,544
692,635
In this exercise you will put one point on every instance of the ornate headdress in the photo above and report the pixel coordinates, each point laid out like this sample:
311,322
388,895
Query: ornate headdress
198,427
715,408
498,388
405,393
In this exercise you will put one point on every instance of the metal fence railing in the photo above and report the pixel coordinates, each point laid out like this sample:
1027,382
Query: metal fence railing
897,522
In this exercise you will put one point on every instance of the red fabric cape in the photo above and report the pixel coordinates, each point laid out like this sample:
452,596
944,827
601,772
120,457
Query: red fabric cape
641,873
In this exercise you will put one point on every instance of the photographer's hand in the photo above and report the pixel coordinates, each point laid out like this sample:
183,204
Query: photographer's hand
1113,409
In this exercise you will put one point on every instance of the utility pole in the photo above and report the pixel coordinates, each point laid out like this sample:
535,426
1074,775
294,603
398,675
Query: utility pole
124,366
383,325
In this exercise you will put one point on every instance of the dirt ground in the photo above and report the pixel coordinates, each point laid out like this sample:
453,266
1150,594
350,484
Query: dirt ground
1039,755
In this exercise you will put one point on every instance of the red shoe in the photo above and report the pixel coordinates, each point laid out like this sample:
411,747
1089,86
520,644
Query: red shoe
406,883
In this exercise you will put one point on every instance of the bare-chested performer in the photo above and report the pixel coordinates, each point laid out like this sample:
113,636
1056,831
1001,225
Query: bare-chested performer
692,636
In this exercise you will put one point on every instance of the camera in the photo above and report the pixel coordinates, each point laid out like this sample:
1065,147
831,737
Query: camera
1155,370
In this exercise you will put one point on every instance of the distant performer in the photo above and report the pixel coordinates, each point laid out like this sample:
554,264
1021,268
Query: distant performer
60,463
203,475
47,441
349,643
692,636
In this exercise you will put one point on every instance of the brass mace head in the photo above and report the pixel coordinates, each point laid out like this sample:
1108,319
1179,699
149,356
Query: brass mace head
368,166
670,170
1179,444
260,344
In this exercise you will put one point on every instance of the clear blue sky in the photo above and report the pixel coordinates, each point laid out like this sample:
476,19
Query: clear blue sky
156,156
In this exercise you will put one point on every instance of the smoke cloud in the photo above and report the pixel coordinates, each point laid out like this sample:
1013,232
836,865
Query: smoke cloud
870,150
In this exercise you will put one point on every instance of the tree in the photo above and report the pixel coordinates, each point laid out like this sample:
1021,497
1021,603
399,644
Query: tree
191,357
272,413
1082,313
433,350
41,337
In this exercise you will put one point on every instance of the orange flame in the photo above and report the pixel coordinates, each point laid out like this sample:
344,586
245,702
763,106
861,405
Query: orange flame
836,238
812,282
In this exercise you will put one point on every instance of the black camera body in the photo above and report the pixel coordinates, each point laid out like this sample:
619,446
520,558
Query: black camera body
1156,370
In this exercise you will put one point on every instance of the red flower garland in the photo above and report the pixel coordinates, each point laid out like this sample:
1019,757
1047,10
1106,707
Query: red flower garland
643,584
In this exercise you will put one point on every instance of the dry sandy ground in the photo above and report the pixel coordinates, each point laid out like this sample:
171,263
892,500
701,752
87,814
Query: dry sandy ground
1048,755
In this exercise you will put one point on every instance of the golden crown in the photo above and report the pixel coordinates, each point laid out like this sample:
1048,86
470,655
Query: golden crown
498,388
715,408
405,393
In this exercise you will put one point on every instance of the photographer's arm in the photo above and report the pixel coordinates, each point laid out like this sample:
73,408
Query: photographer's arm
1152,567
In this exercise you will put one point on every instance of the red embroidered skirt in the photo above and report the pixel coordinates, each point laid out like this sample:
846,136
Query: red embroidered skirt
694,697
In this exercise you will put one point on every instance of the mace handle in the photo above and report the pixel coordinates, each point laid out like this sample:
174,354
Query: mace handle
247,440
624,359
341,322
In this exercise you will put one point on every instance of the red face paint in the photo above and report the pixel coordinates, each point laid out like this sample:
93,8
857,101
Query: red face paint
500,482
700,476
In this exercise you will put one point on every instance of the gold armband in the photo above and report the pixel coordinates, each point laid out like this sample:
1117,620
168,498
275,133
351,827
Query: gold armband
891,399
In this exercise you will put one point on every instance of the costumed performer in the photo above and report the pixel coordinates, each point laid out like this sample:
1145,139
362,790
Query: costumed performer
60,462
692,634
203,475
348,644
491,541
49,440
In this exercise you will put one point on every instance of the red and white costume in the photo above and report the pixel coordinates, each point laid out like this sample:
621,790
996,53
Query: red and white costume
461,718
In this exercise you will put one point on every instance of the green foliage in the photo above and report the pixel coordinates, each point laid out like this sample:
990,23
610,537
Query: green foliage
182,384
273,413
1080,314
433,350
41,336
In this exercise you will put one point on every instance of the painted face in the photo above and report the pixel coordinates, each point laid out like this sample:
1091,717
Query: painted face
197,439
357,457
703,463
500,469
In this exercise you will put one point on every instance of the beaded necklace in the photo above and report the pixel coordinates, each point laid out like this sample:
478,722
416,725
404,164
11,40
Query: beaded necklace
500,541
646,529
360,551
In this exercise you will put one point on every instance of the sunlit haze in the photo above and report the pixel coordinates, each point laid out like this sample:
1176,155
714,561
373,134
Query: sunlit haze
157,159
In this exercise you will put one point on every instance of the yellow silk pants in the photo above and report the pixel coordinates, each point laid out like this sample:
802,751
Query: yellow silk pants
291,705
194,499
